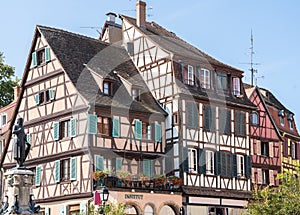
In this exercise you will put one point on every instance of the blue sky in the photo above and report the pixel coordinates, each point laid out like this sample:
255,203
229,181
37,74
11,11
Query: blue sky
219,28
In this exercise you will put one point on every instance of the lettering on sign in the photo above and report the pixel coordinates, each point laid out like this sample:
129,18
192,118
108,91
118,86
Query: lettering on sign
132,196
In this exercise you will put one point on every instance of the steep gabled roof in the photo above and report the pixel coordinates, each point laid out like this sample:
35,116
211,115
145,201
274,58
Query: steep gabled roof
274,106
174,44
76,53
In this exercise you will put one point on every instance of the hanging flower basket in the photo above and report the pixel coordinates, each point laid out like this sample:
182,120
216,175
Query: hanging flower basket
175,181
160,180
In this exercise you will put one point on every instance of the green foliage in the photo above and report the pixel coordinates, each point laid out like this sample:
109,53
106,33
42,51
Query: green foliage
282,200
7,82
109,209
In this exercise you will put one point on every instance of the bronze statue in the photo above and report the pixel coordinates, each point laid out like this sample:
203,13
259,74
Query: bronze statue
21,146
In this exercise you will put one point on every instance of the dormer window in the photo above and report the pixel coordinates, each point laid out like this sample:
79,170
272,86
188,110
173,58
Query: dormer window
190,80
236,86
3,119
222,81
135,93
290,120
281,117
205,78
107,88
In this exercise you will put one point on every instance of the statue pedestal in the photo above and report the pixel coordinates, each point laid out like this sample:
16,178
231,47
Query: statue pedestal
19,183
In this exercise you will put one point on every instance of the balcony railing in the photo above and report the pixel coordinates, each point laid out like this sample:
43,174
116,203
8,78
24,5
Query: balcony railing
153,184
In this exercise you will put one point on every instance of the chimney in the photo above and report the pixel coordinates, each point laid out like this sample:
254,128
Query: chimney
141,14
16,92
111,17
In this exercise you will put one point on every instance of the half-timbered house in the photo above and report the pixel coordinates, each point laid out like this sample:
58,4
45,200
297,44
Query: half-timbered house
207,129
85,109
283,120
6,114
265,141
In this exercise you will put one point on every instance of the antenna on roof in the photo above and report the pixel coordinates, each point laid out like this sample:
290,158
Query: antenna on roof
252,70
91,27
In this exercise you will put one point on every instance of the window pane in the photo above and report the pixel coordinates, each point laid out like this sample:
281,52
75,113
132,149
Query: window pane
236,86
222,81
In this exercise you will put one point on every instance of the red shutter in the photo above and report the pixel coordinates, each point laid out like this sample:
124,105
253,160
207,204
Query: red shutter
298,151
285,148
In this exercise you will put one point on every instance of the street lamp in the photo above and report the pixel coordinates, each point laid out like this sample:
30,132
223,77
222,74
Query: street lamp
104,194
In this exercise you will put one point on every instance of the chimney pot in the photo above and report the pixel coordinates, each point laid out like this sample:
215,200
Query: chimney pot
16,92
111,17
141,14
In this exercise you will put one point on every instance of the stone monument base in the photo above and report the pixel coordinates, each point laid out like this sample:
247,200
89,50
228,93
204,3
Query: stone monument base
19,193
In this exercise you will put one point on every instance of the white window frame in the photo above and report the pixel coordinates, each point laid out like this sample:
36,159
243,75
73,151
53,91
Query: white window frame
193,158
236,85
205,79
291,125
210,162
281,120
255,120
240,160
190,80
293,150
1,120
135,93
264,175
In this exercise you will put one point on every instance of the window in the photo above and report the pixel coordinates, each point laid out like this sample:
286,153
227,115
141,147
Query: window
41,57
240,125
135,94
236,86
210,162
222,81
209,118
291,125
74,210
293,150
146,131
265,176
192,159
104,125
192,115
254,119
224,121
107,88
63,129
44,97
205,78
64,132
240,165
281,120
65,167
190,80
3,119
264,149
148,210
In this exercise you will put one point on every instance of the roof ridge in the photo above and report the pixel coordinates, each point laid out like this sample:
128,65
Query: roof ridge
70,33
174,36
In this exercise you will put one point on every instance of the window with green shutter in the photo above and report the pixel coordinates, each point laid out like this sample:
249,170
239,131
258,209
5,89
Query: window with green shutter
248,164
56,133
147,167
37,98
73,168
92,123
185,159
218,163
34,59
192,115
47,54
138,129
57,171
99,163
116,127
240,124
38,175
119,163
158,133
224,121
51,94
235,166
73,127
209,118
